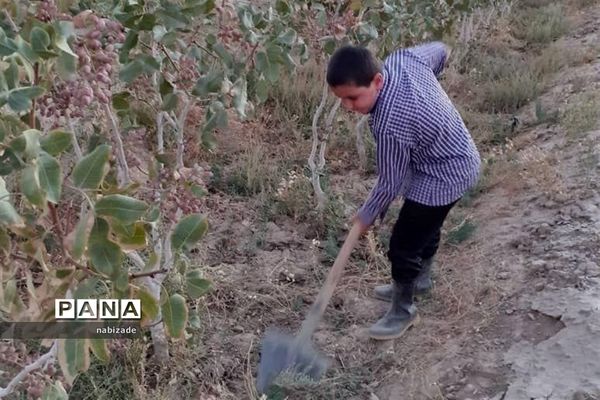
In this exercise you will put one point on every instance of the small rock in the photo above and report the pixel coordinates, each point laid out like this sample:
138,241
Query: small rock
540,286
238,329
293,274
509,311
503,276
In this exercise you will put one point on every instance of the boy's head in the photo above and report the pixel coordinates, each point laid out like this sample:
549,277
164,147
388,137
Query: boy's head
354,75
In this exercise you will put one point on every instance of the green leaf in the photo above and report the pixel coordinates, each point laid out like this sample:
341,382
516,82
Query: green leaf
246,19
30,186
149,305
8,214
123,208
12,75
173,19
120,101
27,145
91,169
329,46
198,191
81,234
196,285
188,231
20,99
147,22
50,177
25,50
73,357
262,90
240,96
66,65
175,315
105,255
7,46
55,391
165,87
170,102
269,69
150,63
282,7
100,349
226,57
129,237
288,37
131,41
56,141
210,83
131,71
9,162
65,30
40,40
216,116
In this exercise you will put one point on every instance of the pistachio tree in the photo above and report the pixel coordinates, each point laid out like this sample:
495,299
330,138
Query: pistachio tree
96,198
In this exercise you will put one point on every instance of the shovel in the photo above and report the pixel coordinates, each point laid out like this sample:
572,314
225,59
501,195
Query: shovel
282,353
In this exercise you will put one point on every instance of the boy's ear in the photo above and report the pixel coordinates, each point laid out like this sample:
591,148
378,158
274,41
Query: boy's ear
378,81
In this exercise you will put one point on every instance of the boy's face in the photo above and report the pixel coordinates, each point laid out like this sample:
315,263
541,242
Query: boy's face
360,99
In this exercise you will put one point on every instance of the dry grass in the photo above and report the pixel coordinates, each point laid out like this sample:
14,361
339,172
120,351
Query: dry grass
542,25
556,56
294,103
507,95
582,113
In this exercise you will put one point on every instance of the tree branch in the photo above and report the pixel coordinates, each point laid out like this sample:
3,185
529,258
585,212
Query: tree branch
180,132
360,144
76,146
315,178
149,273
123,169
40,362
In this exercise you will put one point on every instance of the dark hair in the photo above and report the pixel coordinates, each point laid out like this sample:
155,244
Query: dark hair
352,65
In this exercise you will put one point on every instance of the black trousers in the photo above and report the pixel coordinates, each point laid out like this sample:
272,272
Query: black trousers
416,236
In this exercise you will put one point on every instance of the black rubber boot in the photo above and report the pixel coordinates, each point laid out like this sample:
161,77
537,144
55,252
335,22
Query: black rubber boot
423,283
401,315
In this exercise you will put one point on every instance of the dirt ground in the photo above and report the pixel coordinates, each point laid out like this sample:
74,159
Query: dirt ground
515,311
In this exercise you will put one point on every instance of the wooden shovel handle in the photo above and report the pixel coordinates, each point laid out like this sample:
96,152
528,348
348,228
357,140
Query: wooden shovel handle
318,308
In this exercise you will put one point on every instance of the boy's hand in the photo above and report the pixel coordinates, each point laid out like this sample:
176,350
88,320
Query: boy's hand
363,228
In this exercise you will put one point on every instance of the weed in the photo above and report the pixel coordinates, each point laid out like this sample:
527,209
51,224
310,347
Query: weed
103,382
556,56
582,115
461,232
543,116
509,94
542,25
253,173
296,103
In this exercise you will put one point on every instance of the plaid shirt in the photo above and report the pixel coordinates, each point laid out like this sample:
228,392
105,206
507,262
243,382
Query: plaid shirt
424,150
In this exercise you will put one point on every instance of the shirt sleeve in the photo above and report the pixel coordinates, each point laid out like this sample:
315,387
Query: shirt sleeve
392,161
434,54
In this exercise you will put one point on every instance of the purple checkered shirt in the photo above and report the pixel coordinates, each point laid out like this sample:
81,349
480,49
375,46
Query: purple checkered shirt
424,150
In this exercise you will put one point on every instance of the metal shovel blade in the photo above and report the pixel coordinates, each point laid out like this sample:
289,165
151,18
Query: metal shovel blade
284,353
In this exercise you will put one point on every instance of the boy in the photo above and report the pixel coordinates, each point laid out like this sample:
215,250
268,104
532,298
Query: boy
424,152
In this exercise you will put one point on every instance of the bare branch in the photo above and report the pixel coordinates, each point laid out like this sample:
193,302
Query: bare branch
148,273
360,144
39,363
123,169
76,146
160,137
180,131
328,130
315,177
